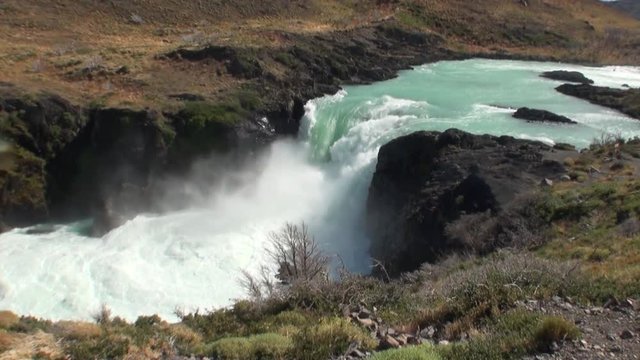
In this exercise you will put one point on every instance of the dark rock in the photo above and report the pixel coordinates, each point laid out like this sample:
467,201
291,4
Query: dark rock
542,116
426,180
626,101
569,76
627,334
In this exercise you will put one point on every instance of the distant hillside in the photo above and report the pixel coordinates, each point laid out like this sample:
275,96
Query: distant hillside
631,7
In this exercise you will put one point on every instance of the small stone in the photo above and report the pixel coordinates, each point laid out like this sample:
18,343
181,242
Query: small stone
391,331
611,337
401,339
443,342
546,183
615,349
554,347
627,334
597,347
357,354
588,330
390,342
557,299
565,178
364,314
368,323
428,332
584,343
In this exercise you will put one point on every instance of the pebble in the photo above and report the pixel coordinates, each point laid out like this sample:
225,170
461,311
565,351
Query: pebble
627,334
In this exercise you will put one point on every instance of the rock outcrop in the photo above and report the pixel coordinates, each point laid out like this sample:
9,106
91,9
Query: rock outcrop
627,101
426,180
568,76
66,163
537,115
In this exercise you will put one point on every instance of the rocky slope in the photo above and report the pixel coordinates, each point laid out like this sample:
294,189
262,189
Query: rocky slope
427,180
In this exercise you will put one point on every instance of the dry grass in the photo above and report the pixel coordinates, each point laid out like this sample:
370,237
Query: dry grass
7,319
39,345
45,46
75,330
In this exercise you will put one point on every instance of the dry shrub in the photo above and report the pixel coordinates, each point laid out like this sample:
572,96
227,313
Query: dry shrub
492,285
8,319
299,260
630,227
184,335
75,330
520,225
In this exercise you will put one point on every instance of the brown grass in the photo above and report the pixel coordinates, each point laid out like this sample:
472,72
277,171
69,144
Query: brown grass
43,45
7,319
75,330
39,345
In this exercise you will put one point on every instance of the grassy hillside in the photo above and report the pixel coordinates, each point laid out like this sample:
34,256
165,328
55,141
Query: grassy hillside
109,50
631,7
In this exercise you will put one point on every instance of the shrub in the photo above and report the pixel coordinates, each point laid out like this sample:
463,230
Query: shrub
232,349
489,288
72,330
554,329
185,338
8,319
297,254
106,347
424,352
271,346
519,225
263,346
331,337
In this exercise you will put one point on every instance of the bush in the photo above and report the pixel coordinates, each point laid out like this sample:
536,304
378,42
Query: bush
424,352
8,319
554,329
271,346
232,349
72,330
263,346
519,225
489,288
331,337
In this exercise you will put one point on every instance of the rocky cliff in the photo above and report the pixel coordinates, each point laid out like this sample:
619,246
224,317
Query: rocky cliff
427,180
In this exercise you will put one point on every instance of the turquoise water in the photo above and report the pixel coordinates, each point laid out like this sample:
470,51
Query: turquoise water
192,259
478,96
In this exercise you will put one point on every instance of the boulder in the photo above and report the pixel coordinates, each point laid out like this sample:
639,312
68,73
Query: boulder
536,115
568,76
426,180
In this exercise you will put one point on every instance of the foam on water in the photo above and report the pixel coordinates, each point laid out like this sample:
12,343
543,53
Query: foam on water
191,259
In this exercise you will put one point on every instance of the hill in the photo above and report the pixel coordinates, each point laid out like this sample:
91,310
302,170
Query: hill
630,7
55,45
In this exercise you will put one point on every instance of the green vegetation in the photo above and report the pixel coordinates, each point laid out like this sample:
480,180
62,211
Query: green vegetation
422,352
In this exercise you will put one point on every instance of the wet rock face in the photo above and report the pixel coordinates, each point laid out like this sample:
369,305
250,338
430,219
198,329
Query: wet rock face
537,115
426,180
36,128
568,76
